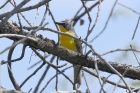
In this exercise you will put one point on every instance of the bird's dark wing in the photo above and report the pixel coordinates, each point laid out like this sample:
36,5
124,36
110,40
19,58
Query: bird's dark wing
78,45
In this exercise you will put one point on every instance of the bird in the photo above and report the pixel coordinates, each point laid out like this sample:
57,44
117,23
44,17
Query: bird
71,44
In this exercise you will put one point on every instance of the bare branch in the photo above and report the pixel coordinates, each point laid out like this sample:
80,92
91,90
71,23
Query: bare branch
75,58
105,79
13,11
22,55
3,90
27,8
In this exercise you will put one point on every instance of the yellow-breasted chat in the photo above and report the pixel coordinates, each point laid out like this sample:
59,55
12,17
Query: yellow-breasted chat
71,44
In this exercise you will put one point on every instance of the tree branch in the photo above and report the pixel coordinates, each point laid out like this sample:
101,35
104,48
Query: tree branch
50,46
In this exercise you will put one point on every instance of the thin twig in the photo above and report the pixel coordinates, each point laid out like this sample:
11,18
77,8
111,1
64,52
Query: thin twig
129,8
86,10
36,63
135,55
103,78
106,22
119,80
19,20
17,59
47,84
36,17
56,84
31,57
79,10
119,49
13,12
86,82
30,90
58,43
89,31
112,68
43,74
53,78
52,16
27,8
13,79
96,16
136,28
44,16
82,14
32,74
40,56
99,77
4,4
22,15
9,65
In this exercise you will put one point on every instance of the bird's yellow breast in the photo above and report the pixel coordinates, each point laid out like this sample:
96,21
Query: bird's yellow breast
68,42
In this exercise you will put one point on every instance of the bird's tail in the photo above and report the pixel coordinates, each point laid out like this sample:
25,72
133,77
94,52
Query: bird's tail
77,74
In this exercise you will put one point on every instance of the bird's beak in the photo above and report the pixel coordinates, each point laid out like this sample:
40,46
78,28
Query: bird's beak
58,23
